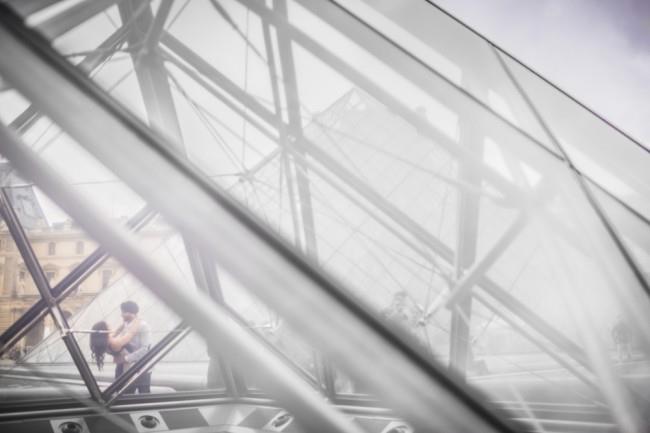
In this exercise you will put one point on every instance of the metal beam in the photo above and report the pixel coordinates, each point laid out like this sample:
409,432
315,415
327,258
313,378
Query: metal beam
28,7
39,278
473,275
282,131
460,350
74,16
158,25
204,269
92,61
152,78
415,387
296,134
586,379
299,164
532,319
25,119
151,73
476,276
146,363
203,69
184,53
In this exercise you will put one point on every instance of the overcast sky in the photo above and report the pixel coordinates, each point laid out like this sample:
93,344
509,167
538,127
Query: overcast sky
596,50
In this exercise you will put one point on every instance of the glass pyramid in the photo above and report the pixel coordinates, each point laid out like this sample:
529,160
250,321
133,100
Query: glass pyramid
446,233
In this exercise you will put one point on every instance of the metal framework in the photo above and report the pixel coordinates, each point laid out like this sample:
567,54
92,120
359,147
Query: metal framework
207,238
366,193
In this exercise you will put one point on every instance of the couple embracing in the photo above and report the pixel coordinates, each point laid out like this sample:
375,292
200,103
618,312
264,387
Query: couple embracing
127,344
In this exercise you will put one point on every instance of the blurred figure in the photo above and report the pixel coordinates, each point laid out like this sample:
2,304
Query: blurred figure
399,310
476,364
16,353
622,339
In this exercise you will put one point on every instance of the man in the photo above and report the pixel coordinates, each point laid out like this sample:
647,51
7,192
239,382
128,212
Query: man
138,347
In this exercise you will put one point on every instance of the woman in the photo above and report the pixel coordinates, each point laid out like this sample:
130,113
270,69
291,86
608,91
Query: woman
103,340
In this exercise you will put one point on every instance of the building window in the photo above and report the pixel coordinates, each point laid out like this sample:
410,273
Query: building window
21,275
80,247
51,248
107,274
3,244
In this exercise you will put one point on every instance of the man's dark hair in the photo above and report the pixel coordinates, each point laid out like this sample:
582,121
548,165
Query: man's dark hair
129,307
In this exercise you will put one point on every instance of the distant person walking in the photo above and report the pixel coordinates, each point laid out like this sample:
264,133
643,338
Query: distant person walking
622,339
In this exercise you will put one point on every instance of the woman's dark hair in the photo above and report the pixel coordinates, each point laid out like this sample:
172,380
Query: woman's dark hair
99,342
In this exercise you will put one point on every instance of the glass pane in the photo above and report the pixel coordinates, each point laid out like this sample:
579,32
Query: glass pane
564,268
632,228
454,52
82,171
264,322
602,153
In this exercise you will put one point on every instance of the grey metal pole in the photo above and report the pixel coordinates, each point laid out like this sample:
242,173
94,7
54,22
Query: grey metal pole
144,364
469,206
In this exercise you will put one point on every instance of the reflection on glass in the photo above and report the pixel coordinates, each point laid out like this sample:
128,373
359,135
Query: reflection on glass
632,228
190,366
273,329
